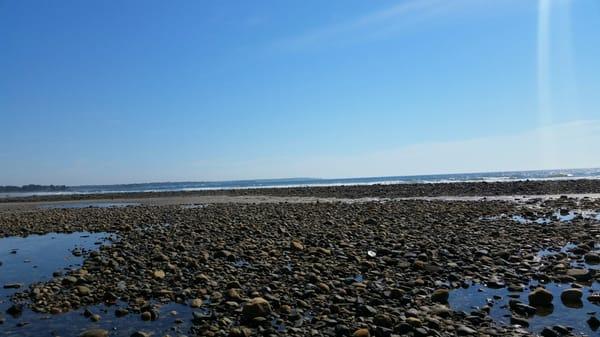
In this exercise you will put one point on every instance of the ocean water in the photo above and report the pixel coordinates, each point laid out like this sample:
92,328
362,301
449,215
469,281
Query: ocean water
297,182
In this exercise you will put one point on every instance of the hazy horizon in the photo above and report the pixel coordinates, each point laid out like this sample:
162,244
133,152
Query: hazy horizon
291,179
102,92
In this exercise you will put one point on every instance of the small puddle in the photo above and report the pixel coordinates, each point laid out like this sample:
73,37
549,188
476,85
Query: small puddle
575,316
71,205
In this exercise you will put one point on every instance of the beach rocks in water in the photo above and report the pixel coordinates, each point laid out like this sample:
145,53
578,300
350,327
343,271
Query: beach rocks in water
256,307
15,310
593,322
571,296
581,274
594,298
592,258
13,286
540,297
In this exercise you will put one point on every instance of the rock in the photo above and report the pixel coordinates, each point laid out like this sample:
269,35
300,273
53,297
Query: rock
15,310
146,316
366,311
94,333
522,308
562,329
383,320
256,307
13,286
540,297
440,295
594,298
240,332
159,274
361,333
547,332
234,294
68,280
413,321
141,334
592,258
83,290
593,323
465,331
196,303
571,296
297,245
580,274
519,321
95,318
120,312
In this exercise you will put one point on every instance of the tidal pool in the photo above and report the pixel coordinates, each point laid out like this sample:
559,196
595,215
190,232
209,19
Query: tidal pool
35,258
574,316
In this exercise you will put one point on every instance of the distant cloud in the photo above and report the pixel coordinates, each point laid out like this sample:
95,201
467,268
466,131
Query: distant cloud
567,145
407,10
389,21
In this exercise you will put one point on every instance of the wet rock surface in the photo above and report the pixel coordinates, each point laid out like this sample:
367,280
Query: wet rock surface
335,269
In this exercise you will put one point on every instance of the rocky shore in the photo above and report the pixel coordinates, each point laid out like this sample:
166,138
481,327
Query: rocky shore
321,269
514,188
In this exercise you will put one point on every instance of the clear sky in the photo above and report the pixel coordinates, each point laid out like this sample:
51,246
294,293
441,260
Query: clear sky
136,91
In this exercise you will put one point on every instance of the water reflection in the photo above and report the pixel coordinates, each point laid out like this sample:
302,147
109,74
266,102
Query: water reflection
503,306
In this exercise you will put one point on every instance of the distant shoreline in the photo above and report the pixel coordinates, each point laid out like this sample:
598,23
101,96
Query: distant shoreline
32,188
510,188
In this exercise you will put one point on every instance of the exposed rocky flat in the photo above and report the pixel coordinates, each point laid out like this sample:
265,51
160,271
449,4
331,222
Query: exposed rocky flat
323,269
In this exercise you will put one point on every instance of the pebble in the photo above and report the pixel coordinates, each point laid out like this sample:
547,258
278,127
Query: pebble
361,333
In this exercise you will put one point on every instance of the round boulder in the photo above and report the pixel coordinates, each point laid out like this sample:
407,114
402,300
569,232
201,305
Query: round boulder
256,307
540,297
571,296
440,296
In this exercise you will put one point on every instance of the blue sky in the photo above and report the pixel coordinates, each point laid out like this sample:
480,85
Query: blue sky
136,91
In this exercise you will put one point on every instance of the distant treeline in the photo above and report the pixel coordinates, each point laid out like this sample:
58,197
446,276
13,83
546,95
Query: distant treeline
33,188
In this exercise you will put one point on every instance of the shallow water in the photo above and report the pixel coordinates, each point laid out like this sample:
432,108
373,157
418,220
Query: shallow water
88,205
477,296
575,261
542,220
74,323
35,258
